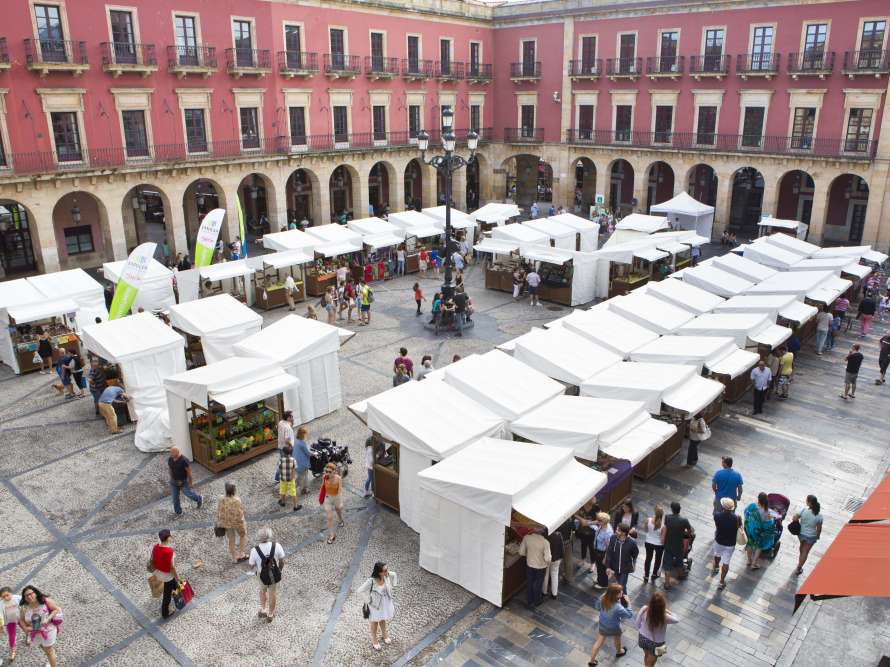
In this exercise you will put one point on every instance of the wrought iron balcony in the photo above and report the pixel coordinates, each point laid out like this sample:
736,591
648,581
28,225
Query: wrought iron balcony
624,68
702,66
819,64
126,57
297,63
379,67
479,72
586,69
873,62
340,65
56,55
248,62
525,71
4,54
664,66
417,70
765,65
523,135
449,70
185,59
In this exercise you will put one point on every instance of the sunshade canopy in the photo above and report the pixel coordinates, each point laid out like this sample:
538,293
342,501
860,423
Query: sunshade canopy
648,224
459,219
861,251
695,351
374,227
497,246
877,506
42,310
746,269
495,213
291,340
609,329
716,281
797,283
857,270
337,248
836,264
551,228
798,312
226,270
334,233
563,355
285,258
540,253
771,255
792,244
576,222
684,204
778,223
650,254
738,326
684,295
292,239
737,363
382,240
129,337
73,283
213,313
650,312
519,233
232,382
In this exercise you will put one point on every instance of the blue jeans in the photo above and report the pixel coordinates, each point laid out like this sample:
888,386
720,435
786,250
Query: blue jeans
622,579
400,270
821,337
534,582
369,480
186,490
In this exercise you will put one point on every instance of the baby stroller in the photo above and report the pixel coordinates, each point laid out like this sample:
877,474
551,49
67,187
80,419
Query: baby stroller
326,451
687,557
778,504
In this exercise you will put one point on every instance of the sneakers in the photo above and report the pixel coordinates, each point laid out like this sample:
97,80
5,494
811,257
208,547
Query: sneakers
200,502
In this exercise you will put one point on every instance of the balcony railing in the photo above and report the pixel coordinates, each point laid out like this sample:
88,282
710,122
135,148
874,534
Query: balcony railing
340,64
4,53
586,68
378,66
449,70
709,65
525,70
629,67
523,135
739,143
757,64
479,71
417,69
871,61
248,59
55,52
127,53
664,65
818,64
296,63
185,56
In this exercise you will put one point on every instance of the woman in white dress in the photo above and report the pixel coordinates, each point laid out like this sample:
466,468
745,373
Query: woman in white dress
379,587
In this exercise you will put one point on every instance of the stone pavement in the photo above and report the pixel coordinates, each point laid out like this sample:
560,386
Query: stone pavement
81,508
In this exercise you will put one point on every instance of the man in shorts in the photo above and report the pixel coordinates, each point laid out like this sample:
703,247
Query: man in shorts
287,478
533,280
727,524
677,529
854,363
786,369
268,593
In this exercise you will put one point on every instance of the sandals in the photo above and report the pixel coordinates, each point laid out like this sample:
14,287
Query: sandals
721,585
340,524
622,654
376,647
592,663
331,539
387,640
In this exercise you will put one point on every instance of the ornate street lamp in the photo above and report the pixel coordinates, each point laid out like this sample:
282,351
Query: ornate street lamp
446,165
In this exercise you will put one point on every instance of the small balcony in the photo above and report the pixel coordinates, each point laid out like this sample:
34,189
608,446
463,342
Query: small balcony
183,60
586,69
754,65
811,64
665,67
341,66
297,64
624,68
709,66
4,54
248,62
479,73
128,58
872,62
379,67
523,135
56,55
449,70
525,71
417,70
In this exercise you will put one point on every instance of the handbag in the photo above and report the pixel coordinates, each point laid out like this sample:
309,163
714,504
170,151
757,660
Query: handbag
183,594
321,494
661,650
366,607
741,538
219,531
156,586
794,527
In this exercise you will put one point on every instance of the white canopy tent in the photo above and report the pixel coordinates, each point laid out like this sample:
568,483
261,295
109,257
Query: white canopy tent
716,281
219,321
771,255
495,213
233,383
795,283
497,247
559,235
459,219
684,295
746,329
829,290
647,224
700,352
650,312
308,350
608,329
147,352
334,240
377,233
858,270
286,258
14,293
468,498
563,355
837,265
685,212
80,287
507,387
864,252
678,386
411,415
770,304
156,290
744,268
416,224
792,244
768,225
583,267
230,271
520,234
292,239
587,231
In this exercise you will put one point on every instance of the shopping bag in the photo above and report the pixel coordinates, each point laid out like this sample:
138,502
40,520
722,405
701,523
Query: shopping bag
321,494
37,360
183,595
156,586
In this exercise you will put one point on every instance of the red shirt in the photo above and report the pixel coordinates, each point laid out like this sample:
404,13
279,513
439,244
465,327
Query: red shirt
162,558
418,294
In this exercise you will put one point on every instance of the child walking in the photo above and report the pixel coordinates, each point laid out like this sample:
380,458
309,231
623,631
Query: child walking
10,604
287,472
418,297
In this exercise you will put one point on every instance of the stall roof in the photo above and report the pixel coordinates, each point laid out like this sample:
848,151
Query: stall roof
672,247
495,213
497,246
576,222
338,248
609,330
291,340
563,355
238,380
410,415
650,312
41,310
156,271
650,254
744,268
683,204
293,239
738,326
638,222
695,351
637,444
792,244
550,227
213,313
459,219
225,270
836,264
861,251
771,304
333,233
797,283
858,270
771,255
373,227
128,337
504,385
740,361
546,254
877,506
799,312
285,258
829,290
382,240
18,292
412,218
716,281
519,233
778,223
492,477
72,283
684,295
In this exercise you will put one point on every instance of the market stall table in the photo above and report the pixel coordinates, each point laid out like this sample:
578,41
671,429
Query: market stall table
336,245
156,290
17,292
269,290
650,312
587,232
715,281
55,317
567,276
80,287
685,212
213,325
563,355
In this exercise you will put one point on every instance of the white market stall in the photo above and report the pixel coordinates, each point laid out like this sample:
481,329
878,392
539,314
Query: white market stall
407,420
459,221
335,245
650,312
269,290
686,212
213,325
520,234
147,352
863,252
156,290
795,283
476,503
609,330
308,350
381,240
716,281
559,235
748,330
684,295
827,292
226,413
494,214
792,244
421,231
232,278
793,228
744,268
587,232
771,255
563,355
292,239
80,287
567,276
643,224
836,265
770,304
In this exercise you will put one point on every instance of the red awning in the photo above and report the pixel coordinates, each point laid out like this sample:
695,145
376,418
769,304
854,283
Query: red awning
856,564
877,506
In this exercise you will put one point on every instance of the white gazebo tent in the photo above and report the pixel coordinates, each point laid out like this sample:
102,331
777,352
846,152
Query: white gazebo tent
219,321
292,239
583,269
409,418
699,352
609,330
770,304
746,329
771,255
826,292
469,499
308,350
377,233
156,291
744,268
80,287
233,383
650,312
333,240
495,213
497,246
863,252
646,224
792,244
559,235
685,212
836,265
459,219
587,232
416,224
14,293
520,234
769,226
795,283
716,281
684,295
563,355
233,278
147,352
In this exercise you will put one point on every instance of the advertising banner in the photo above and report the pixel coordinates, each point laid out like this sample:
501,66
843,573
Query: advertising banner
131,280
208,232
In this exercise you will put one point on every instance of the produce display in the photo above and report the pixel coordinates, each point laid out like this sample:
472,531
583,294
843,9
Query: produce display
219,435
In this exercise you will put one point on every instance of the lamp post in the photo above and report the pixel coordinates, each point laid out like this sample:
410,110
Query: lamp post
446,165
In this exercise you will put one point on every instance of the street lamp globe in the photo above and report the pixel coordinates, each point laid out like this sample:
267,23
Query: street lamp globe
447,118
448,140
472,140
423,140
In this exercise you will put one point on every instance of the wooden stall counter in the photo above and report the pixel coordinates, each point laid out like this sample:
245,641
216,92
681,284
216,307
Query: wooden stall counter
25,349
499,279
317,283
561,295
735,387
514,576
619,482
627,284
412,263
657,459
273,296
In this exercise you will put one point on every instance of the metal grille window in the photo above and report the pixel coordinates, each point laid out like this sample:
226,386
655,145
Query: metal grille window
707,126
713,49
803,128
195,131
49,33
588,54
413,121
3,162
186,39
858,130
445,55
871,44
297,117
527,120
243,43
377,50
585,121
623,115
627,51
475,49
762,47
67,136
79,240
752,127
250,128
135,135
413,53
528,57
122,36
293,45
814,45
475,118
338,48
341,124
378,117
664,120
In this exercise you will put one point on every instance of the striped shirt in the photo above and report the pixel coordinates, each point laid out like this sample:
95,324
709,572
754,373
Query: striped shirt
287,467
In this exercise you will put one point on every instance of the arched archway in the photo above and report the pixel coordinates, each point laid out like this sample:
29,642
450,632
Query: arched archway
257,193
19,245
145,211
621,187
379,178
701,184
80,224
478,187
414,185
660,184
201,197
746,201
303,201
343,196
529,179
847,206
585,186
796,190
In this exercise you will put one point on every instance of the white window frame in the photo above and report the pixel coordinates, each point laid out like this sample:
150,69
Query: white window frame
805,98
137,38
755,98
476,99
196,98
623,98
298,97
341,97
584,99
195,15
385,41
523,100
380,98
4,132
253,34
580,45
658,43
803,33
862,98
862,23
419,45
707,98
704,35
414,99
249,98
65,100
663,98
635,33
135,99
345,41
63,17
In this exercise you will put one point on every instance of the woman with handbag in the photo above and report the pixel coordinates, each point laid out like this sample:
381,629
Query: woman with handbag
809,529
230,522
40,618
652,622
331,498
380,608
699,431
728,526
162,565
760,529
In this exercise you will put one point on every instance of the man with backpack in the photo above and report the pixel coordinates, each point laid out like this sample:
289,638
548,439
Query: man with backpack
267,560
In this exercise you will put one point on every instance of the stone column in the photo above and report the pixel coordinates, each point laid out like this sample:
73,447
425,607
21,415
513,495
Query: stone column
360,191
459,188
397,188
323,195
428,186
116,232
176,222
769,204
724,200
568,43
878,207
41,219
820,209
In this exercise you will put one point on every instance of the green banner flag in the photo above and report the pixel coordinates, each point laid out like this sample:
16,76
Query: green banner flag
208,232
131,279
241,226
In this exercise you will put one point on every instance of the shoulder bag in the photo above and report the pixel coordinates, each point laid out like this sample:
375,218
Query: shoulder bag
366,607
219,531
741,538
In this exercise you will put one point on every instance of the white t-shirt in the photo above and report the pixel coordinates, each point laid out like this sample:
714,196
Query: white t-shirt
400,255
823,321
285,434
369,458
11,609
289,283
653,536
533,279
256,562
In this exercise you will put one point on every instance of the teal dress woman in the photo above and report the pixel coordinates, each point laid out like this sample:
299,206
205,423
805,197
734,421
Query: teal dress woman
760,529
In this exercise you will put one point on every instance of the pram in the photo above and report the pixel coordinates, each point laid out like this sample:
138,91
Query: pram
778,504
326,451
687,556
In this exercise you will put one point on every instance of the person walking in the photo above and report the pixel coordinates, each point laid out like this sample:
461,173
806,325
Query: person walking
867,309
652,622
557,551
533,280
854,363
518,279
401,375
534,210
418,298
786,370
181,480
38,617
75,370
379,589
613,607
111,395
333,499
349,295
289,288
536,550
760,379
810,521
654,543
365,298
621,555
303,457
403,360
823,327
727,524
11,612
369,465
698,432
287,478
727,483
841,306
426,367
267,562
97,381
163,563
772,362
327,301
586,527
230,515
677,530
760,529
883,357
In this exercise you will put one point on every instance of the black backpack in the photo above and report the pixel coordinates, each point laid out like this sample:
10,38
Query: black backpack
270,573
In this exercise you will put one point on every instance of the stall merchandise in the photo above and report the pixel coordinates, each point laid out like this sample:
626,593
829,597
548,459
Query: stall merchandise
684,295
610,330
744,268
308,350
381,240
15,293
748,330
559,235
292,239
499,271
80,287
156,290
567,276
771,255
335,245
620,267
794,228
55,317
716,281
686,212
495,213
233,278
587,232
269,289
227,412
650,312
421,231
408,420
792,244
213,325
146,352
563,355
681,254
476,503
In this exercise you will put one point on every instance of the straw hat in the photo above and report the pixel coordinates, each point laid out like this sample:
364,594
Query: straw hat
727,504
